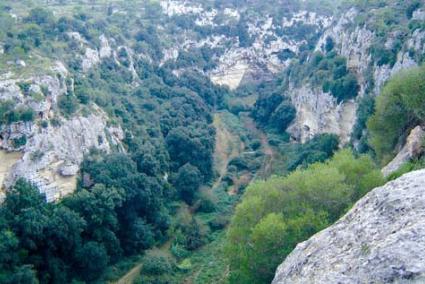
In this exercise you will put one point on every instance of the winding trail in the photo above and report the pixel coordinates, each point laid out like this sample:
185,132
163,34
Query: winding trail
267,165
131,275
228,146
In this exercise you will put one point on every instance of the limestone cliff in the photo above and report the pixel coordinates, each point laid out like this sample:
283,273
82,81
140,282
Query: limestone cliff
354,42
411,150
50,147
238,64
277,41
380,240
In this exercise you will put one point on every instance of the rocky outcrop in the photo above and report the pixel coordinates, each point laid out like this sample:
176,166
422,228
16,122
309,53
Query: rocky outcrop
319,112
90,59
239,64
316,116
52,155
413,148
380,240
48,149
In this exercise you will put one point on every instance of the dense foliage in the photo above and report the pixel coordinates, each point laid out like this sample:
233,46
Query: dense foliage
124,201
328,71
274,111
278,213
399,108
154,189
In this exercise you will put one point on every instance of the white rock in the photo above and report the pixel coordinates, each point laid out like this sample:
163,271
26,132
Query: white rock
69,169
91,58
419,15
380,240
105,50
61,150
21,63
318,113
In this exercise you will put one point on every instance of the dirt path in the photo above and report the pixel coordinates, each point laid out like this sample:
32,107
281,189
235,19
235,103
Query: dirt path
227,147
267,166
131,275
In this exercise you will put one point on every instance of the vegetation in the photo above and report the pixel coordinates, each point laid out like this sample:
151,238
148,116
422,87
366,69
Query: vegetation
399,109
274,111
328,71
9,113
318,149
158,198
278,213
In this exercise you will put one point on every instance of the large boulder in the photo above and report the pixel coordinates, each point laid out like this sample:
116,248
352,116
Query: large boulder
380,240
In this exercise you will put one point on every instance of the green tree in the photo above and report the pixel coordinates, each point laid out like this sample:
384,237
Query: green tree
276,214
399,108
188,180
93,259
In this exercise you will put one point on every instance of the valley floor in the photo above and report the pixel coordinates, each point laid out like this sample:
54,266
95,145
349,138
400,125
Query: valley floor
208,264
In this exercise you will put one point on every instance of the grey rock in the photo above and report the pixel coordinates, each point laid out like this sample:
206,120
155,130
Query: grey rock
55,153
105,50
69,169
51,155
91,58
380,240
412,149
319,112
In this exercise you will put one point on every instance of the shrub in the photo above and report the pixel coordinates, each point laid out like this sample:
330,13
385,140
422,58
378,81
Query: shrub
24,87
27,114
399,108
276,214
219,222
68,104
19,142
207,201
156,263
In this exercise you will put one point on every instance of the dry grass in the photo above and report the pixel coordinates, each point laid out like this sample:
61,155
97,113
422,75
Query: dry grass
228,146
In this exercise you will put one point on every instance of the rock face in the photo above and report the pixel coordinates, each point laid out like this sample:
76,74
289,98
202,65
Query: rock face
412,149
238,63
318,112
52,156
352,42
48,149
380,240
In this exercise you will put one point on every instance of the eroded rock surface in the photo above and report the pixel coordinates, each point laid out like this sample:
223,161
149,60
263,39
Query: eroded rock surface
353,42
48,149
412,149
380,240
319,112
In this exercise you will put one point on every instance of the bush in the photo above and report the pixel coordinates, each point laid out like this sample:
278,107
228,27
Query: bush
276,214
19,142
24,87
156,263
68,104
318,149
207,201
219,222
345,88
399,108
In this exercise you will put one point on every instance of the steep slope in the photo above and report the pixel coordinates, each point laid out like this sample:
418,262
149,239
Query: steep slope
52,144
380,240
391,39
